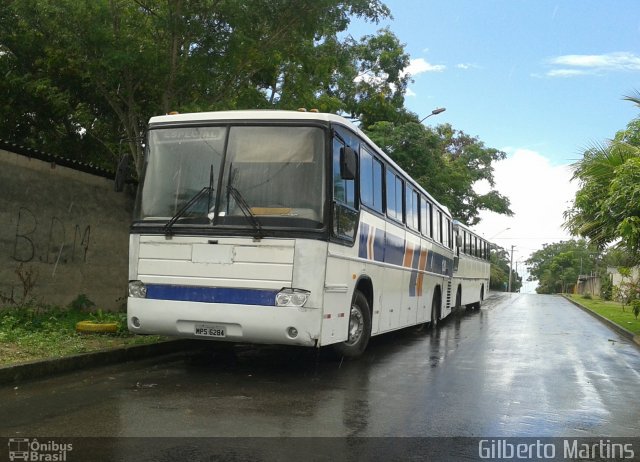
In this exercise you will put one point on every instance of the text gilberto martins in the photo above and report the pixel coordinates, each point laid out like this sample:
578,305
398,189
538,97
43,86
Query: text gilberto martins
497,449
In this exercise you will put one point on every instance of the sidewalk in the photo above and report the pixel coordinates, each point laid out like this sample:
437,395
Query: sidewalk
43,368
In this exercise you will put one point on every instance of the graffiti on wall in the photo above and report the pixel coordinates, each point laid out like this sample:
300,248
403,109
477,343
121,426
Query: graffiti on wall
49,240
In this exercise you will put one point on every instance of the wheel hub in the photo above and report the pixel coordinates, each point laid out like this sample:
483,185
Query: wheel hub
356,325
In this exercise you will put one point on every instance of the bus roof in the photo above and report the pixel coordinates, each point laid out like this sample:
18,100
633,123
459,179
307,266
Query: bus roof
271,114
467,228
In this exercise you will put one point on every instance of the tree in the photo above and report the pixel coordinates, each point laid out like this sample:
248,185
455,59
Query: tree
97,70
499,280
82,78
557,266
446,162
375,91
606,208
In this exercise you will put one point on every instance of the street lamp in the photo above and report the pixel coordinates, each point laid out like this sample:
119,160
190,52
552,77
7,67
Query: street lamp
436,111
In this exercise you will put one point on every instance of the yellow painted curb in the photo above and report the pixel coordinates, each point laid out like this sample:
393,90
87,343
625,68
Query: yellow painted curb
96,327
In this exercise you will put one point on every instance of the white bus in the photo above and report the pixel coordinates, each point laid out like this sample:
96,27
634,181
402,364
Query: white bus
471,267
285,227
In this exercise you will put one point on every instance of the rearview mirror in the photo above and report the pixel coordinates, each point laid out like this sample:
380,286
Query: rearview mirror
348,163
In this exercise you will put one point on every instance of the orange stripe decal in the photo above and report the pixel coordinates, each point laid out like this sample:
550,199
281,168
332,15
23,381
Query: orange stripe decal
422,265
408,255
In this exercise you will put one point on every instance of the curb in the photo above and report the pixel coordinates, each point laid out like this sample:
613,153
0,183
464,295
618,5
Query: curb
621,330
39,369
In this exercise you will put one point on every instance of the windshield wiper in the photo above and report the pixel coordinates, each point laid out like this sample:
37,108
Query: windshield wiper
188,205
246,210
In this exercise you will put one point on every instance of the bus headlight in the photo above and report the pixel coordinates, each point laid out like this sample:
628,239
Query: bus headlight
137,289
292,297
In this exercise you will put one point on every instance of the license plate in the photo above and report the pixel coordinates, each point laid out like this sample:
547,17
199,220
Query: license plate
210,330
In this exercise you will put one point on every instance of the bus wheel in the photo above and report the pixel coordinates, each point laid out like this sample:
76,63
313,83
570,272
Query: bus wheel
359,328
435,309
459,298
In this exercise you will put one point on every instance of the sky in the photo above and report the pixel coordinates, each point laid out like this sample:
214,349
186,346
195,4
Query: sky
540,80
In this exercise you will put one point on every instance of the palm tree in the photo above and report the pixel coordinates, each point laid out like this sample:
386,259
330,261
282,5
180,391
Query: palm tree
591,216
635,98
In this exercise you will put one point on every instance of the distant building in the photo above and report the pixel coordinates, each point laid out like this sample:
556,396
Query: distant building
617,278
588,284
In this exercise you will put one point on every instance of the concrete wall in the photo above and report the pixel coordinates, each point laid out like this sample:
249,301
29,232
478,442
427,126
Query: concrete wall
617,278
588,285
63,229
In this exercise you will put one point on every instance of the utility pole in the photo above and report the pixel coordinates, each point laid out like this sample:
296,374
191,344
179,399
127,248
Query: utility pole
511,269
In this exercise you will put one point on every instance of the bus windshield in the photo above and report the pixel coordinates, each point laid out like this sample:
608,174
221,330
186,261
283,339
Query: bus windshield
247,176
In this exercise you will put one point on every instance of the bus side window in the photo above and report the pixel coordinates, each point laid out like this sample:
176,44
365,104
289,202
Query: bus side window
370,180
345,214
395,188
425,217
411,201
448,237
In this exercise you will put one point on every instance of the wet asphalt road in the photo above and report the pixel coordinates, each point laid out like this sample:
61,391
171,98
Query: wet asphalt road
525,365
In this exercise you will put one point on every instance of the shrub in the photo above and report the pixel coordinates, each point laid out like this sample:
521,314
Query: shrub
606,289
81,302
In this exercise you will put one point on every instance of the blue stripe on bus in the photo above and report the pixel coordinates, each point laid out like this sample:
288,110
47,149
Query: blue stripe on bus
394,250
212,294
364,239
378,244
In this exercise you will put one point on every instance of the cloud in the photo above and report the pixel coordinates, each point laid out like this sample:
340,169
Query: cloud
466,66
420,66
566,72
572,65
415,67
539,193
621,60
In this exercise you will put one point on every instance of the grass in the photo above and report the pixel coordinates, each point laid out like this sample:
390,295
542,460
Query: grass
612,311
33,333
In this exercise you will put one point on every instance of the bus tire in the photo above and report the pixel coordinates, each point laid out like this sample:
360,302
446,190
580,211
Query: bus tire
359,330
435,310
